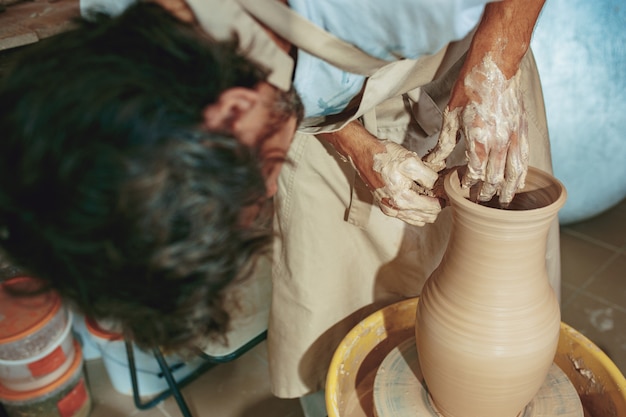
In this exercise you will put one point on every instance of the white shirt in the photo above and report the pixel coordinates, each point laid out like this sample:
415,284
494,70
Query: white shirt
386,29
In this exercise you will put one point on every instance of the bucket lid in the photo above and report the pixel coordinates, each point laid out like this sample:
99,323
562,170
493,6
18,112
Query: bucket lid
47,351
22,316
7,394
96,330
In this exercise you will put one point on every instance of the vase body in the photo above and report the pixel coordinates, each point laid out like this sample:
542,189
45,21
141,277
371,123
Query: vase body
487,322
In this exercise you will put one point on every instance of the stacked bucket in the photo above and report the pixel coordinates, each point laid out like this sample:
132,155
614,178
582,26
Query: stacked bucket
41,364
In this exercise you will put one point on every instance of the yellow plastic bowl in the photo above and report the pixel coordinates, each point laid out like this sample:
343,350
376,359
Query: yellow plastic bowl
601,386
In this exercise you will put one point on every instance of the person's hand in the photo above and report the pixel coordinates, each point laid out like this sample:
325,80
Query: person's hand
400,195
177,8
400,182
487,111
486,105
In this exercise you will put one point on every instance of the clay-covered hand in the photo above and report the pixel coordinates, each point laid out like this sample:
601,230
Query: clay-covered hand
400,182
487,110
400,195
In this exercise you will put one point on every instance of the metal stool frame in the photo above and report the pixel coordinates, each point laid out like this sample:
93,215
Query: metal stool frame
176,386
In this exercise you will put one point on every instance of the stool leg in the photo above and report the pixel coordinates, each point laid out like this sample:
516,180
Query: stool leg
172,383
173,386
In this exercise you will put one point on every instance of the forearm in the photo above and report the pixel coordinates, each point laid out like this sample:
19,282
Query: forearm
504,33
358,146
353,141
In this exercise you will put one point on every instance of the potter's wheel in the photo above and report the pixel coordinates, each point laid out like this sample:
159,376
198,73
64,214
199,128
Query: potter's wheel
399,390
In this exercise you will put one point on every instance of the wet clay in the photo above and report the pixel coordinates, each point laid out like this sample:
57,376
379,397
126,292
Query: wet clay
492,120
495,131
488,321
405,177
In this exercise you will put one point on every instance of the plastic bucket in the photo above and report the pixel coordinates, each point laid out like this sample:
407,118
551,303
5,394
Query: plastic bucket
43,368
349,385
68,396
87,344
30,324
150,378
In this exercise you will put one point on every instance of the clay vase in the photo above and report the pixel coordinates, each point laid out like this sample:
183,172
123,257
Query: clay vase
487,323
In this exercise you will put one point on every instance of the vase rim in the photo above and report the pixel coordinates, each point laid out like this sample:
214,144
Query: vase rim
554,194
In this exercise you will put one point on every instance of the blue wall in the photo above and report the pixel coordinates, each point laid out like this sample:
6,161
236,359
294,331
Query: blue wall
580,47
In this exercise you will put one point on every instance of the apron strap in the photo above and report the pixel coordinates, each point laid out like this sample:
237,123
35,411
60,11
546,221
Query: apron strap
311,38
224,18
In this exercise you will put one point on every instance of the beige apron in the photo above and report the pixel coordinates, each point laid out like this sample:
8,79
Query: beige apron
337,257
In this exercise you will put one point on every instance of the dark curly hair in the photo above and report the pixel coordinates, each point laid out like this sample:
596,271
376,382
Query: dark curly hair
111,192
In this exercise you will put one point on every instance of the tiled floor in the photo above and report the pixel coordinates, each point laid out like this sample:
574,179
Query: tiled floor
593,302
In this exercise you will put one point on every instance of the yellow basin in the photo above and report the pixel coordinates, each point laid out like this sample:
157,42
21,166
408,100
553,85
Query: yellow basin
600,385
